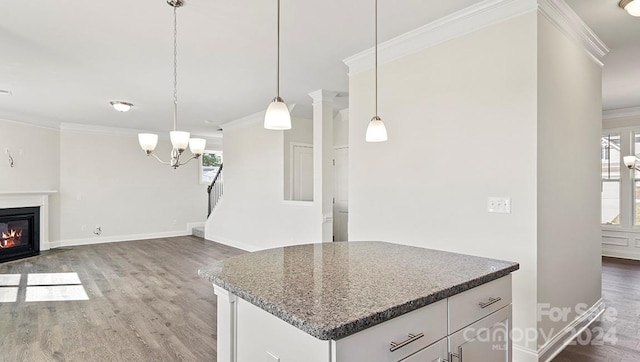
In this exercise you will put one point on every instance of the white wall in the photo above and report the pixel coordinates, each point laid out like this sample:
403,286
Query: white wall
107,180
253,214
461,119
102,179
36,151
569,129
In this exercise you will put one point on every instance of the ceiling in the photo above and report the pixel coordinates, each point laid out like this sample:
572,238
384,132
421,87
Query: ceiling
65,60
621,33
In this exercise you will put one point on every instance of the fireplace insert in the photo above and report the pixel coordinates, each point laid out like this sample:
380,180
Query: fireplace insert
19,233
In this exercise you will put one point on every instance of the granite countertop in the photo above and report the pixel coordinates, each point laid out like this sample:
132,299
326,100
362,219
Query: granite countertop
332,290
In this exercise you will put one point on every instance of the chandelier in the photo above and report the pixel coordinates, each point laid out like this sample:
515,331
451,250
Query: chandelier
179,139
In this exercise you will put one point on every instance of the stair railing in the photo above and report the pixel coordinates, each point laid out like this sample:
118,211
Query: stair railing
215,190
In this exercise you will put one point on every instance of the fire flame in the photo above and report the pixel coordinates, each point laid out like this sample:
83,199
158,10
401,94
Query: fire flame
10,239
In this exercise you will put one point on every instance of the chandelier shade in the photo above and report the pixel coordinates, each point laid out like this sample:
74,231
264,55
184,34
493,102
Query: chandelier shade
148,141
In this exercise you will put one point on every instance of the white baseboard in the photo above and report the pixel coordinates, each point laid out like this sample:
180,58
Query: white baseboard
623,254
558,343
120,238
524,354
233,243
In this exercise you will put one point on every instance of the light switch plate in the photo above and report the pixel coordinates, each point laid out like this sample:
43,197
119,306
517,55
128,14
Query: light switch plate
500,205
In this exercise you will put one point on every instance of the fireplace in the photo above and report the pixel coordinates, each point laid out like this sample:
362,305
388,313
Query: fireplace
19,233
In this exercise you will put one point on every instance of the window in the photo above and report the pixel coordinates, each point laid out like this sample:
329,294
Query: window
636,181
610,158
209,165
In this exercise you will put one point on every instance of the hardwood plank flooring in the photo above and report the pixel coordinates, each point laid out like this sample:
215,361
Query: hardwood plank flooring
146,303
621,291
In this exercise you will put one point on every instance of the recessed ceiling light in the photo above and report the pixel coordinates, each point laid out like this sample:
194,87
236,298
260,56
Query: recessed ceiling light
4,92
631,6
121,106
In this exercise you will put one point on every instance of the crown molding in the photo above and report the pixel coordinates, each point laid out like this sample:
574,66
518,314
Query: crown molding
611,114
455,25
567,21
127,132
474,18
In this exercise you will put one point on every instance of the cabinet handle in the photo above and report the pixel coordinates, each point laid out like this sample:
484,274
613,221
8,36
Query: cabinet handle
483,305
412,338
458,356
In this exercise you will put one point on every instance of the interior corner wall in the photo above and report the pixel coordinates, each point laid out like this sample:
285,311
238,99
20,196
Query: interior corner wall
569,129
461,119
107,180
36,154
252,213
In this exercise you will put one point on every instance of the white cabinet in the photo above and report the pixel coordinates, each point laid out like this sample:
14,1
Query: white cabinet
409,333
436,352
472,326
487,340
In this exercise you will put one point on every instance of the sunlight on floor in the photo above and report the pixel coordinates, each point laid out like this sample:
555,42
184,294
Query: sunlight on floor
42,287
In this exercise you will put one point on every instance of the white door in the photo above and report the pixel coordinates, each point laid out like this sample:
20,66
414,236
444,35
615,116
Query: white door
341,194
302,173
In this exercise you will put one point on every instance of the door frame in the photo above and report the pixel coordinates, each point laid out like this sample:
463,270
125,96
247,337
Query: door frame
292,146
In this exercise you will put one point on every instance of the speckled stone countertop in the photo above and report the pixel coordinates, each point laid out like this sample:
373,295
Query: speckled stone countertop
332,290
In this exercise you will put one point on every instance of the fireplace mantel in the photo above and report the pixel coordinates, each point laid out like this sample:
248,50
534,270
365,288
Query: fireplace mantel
9,199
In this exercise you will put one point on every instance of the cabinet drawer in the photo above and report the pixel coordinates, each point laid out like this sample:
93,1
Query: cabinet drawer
474,304
374,344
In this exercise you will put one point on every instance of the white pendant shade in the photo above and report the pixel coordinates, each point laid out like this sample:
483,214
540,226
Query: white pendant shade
148,141
197,145
277,116
633,8
376,131
179,139
629,161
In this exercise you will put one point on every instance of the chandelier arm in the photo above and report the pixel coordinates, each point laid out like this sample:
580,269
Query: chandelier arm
189,160
158,158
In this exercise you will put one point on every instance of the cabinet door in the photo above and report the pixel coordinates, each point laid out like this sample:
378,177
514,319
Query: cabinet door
487,340
436,352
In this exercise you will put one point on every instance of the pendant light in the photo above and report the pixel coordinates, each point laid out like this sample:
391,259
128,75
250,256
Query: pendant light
179,139
277,116
376,131
631,6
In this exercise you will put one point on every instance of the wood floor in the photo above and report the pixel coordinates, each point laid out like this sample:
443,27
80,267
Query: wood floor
147,303
620,291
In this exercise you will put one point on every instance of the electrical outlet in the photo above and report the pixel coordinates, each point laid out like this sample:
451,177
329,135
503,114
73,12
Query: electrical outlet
97,230
500,205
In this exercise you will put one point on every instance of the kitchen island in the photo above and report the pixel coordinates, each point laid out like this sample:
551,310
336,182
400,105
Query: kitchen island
361,301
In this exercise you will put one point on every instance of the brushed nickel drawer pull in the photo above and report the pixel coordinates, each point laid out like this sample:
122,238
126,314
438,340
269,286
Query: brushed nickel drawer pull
483,305
412,338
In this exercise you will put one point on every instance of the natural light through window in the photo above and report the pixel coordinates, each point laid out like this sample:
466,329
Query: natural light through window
42,287
610,159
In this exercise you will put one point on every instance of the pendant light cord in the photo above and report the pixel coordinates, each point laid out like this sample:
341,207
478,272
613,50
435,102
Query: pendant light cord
175,68
376,54
278,57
